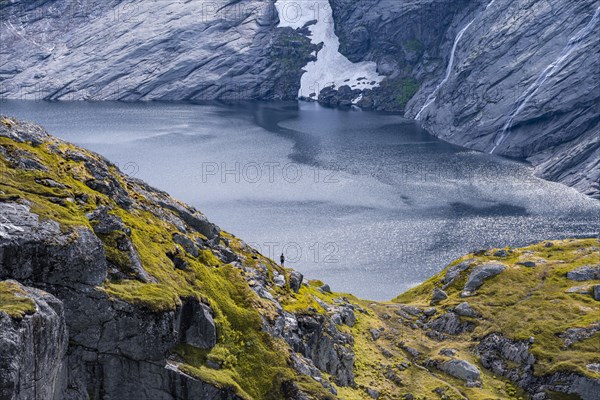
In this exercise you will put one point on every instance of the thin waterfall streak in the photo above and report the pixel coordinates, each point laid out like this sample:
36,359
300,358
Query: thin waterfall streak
433,96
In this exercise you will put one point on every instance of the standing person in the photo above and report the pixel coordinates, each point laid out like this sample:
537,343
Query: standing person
282,259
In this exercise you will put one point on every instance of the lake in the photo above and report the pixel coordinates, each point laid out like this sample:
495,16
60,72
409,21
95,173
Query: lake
367,202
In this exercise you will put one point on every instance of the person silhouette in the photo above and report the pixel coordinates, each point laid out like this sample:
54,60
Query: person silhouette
282,259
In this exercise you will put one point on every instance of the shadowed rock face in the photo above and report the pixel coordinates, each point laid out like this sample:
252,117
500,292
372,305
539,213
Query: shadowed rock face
30,366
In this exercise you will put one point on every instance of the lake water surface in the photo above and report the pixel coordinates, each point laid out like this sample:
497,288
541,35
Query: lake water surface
367,202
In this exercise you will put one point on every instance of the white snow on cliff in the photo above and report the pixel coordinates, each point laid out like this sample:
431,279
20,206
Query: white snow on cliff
331,67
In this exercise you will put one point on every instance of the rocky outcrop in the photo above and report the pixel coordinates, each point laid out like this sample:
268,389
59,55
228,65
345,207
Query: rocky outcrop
512,360
33,349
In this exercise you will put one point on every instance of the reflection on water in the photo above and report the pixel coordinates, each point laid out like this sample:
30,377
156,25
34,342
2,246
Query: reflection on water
367,202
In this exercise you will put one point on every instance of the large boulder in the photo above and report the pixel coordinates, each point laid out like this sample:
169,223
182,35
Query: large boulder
461,369
479,275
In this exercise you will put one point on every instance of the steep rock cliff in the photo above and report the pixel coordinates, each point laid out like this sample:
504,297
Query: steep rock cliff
130,50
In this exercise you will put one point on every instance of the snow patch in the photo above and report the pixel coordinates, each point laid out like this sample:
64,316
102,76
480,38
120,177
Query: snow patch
331,68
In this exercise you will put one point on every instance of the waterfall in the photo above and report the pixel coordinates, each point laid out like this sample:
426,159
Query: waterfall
572,45
331,67
433,96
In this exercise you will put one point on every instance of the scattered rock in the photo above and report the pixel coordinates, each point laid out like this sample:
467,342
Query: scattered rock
528,264
348,316
448,352
465,310
574,335
594,367
596,292
375,333
387,352
325,288
392,376
279,280
501,253
416,311
429,312
186,243
579,290
374,394
448,323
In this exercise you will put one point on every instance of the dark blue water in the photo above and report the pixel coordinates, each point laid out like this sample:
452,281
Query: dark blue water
367,202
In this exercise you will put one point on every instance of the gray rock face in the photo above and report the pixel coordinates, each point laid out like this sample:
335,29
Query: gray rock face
505,50
503,81
37,251
149,51
479,275
584,273
33,350
326,347
461,369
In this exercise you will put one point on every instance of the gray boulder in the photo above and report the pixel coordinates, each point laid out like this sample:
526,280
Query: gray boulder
447,323
296,281
479,275
465,310
454,272
438,295
584,273
461,369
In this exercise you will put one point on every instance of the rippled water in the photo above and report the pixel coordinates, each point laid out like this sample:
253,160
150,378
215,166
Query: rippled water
367,202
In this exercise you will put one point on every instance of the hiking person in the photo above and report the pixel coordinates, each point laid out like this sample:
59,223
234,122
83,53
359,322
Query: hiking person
282,259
